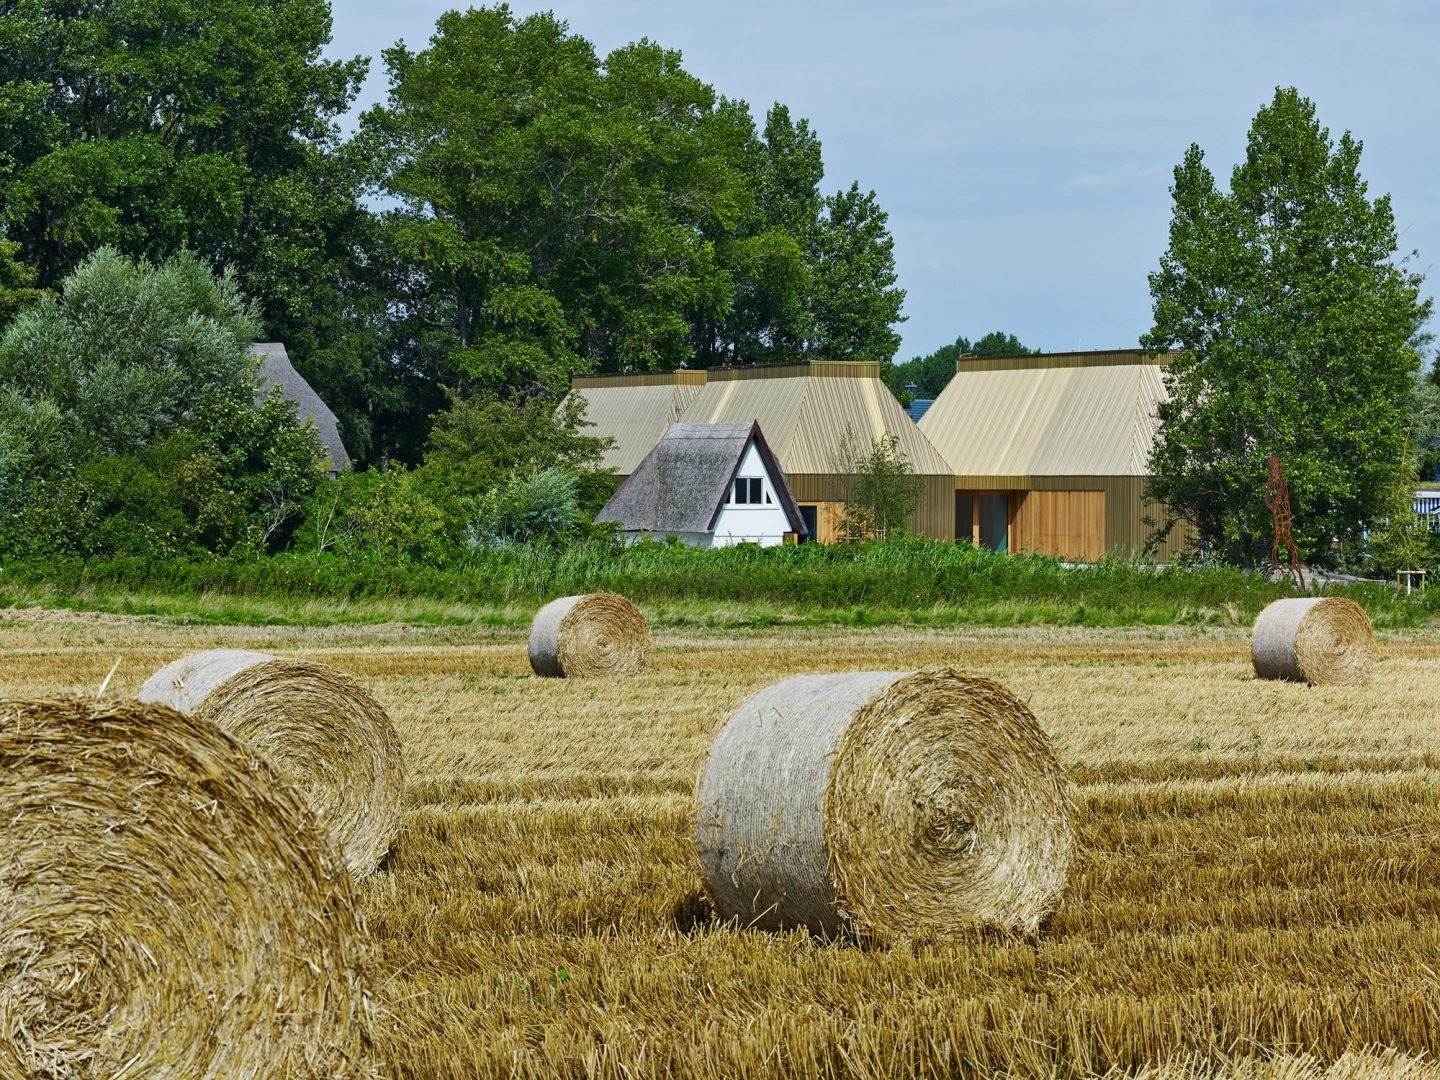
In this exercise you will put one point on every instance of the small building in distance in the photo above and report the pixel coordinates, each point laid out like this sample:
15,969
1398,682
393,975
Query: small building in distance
275,370
817,416
1050,452
708,485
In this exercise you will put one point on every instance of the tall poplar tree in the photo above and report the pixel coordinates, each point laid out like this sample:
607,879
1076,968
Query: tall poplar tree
1297,335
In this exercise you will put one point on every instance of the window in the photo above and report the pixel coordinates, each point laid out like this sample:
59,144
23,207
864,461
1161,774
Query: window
748,490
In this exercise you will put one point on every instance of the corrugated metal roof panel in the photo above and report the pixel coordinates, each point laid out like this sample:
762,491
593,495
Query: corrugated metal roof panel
805,419
634,416
1096,420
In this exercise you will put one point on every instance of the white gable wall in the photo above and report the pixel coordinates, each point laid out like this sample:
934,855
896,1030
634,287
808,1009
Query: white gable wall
764,523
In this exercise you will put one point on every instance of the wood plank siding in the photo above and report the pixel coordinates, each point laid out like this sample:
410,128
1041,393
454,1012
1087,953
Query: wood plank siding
934,517
1067,524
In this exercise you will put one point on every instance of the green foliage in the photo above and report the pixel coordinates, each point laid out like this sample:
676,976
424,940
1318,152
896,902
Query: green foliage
128,425
544,505
559,213
932,372
377,516
1424,425
883,490
1402,541
898,581
17,282
480,443
1297,335
126,352
207,125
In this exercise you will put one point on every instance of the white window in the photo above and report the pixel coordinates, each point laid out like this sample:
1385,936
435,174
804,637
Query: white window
748,490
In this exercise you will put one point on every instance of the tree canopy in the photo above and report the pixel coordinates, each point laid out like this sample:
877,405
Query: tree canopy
930,373
1297,335
560,213
128,421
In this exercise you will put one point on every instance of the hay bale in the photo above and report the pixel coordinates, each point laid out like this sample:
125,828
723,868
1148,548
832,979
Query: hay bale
315,724
598,634
1318,640
168,905
885,805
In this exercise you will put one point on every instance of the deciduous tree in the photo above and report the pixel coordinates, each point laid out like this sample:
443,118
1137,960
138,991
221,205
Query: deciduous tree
1296,331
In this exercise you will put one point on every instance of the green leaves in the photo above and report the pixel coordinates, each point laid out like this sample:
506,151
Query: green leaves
127,420
560,213
1297,335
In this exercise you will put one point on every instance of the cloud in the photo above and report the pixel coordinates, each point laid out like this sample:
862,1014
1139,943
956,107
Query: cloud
1116,179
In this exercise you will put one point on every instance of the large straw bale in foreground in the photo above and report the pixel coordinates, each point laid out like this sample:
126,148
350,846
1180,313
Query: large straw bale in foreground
1318,640
168,905
597,634
315,724
884,804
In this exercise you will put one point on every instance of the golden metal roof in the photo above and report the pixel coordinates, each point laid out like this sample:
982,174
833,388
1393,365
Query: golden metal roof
635,416
804,410
1058,415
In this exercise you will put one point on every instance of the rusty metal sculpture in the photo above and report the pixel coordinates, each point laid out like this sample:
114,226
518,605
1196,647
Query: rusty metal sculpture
1277,500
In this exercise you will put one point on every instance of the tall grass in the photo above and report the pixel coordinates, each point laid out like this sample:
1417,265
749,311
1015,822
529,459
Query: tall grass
894,581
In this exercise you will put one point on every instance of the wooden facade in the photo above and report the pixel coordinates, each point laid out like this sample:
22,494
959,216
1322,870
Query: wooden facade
1076,518
934,517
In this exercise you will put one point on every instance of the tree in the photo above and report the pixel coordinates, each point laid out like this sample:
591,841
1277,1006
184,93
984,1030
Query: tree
1402,541
552,210
881,488
129,352
1296,334
481,443
932,372
17,283
559,213
201,125
128,420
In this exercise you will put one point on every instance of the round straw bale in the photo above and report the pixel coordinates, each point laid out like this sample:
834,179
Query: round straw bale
594,635
168,905
1318,640
884,805
315,724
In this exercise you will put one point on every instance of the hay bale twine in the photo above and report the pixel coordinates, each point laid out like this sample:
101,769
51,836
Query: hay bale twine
168,905
598,634
1318,640
886,805
315,724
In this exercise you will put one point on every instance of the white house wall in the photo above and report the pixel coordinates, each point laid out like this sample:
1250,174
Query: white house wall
763,523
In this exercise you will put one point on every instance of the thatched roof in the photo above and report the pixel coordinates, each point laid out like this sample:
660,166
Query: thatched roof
684,482
276,370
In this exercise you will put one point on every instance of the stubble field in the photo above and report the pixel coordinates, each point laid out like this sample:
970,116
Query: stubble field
1257,892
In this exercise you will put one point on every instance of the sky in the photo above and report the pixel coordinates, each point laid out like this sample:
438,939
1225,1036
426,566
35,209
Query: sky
1024,148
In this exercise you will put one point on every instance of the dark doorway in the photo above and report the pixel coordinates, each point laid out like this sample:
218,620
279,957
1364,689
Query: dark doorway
964,517
995,521
811,518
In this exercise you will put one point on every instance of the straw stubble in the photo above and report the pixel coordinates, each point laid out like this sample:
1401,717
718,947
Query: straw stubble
168,905
884,805
315,724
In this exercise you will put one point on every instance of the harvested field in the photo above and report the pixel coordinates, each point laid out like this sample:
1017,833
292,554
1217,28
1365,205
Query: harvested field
1256,888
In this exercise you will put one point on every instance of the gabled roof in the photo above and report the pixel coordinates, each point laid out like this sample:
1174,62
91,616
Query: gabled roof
682,484
635,410
1061,414
276,370
805,411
